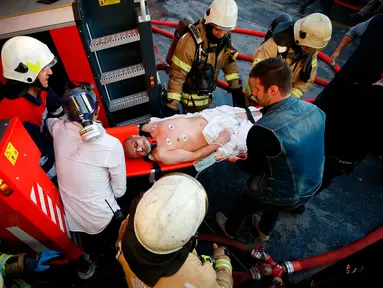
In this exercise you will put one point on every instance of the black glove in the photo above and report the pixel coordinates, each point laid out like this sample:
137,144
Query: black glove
238,97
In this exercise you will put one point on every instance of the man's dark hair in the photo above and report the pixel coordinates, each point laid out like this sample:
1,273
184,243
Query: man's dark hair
273,71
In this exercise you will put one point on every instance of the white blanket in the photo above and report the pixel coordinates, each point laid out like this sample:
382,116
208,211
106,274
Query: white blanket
223,117
218,119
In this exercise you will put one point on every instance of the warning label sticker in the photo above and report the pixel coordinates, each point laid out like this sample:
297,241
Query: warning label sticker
108,2
11,153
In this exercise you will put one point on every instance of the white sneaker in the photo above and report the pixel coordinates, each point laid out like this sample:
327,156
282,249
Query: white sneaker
255,220
221,221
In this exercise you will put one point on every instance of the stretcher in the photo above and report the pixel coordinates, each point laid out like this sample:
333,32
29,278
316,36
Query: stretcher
140,167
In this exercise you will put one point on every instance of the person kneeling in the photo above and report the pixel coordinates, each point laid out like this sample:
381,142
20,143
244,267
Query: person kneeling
157,241
90,168
285,151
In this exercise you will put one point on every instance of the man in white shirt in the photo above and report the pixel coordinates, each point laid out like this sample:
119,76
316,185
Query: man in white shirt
90,167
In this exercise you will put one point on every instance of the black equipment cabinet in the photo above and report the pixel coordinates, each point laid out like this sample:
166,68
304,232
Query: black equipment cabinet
118,41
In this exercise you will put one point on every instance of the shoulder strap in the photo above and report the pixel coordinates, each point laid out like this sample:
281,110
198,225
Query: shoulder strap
194,31
143,133
199,52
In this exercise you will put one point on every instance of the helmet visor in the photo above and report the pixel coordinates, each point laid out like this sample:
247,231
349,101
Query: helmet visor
50,65
79,106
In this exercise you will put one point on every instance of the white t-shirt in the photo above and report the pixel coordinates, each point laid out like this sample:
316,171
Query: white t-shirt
87,174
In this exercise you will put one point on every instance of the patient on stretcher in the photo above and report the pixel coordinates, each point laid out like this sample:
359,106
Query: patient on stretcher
194,136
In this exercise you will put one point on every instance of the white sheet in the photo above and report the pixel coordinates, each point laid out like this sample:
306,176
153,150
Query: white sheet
223,117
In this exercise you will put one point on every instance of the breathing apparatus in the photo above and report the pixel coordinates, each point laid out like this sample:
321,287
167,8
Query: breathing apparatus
80,104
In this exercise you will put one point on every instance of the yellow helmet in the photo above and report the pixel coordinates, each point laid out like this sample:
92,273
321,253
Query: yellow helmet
313,31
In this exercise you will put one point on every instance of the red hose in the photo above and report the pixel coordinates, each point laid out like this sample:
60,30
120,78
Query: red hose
349,6
163,32
311,262
326,59
241,277
249,32
165,23
245,57
339,254
224,240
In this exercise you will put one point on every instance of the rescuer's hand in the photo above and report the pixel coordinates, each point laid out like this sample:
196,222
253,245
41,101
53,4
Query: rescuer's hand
333,57
173,105
169,109
218,252
38,263
224,136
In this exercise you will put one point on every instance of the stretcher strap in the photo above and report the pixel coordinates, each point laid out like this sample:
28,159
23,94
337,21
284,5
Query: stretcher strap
249,115
143,133
156,172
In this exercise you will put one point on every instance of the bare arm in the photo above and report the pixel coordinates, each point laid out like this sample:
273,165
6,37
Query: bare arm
346,40
178,156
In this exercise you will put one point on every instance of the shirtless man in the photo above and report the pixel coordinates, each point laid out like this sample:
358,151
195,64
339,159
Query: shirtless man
191,137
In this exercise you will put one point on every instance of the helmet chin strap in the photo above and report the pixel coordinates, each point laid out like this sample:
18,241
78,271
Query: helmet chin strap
38,84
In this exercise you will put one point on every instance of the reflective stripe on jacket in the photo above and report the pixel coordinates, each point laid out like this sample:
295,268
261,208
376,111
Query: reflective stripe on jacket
182,62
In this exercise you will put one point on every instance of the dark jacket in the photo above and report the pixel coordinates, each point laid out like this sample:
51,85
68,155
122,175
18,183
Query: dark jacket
290,167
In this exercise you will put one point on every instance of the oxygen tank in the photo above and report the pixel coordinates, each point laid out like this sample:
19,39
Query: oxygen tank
283,18
180,31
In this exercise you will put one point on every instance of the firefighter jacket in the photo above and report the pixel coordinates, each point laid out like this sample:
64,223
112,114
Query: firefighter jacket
32,112
180,79
193,272
270,49
10,266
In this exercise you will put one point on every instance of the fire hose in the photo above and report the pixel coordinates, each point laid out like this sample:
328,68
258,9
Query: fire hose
268,267
349,6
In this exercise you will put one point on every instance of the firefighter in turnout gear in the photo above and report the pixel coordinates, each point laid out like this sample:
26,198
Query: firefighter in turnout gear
203,50
298,43
27,64
156,245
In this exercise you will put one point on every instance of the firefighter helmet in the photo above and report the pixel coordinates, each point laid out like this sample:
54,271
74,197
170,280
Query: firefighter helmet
170,213
222,14
24,57
313,31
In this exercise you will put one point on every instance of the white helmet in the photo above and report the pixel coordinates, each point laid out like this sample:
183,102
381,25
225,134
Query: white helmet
313,31
24,57
169,213
223,14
